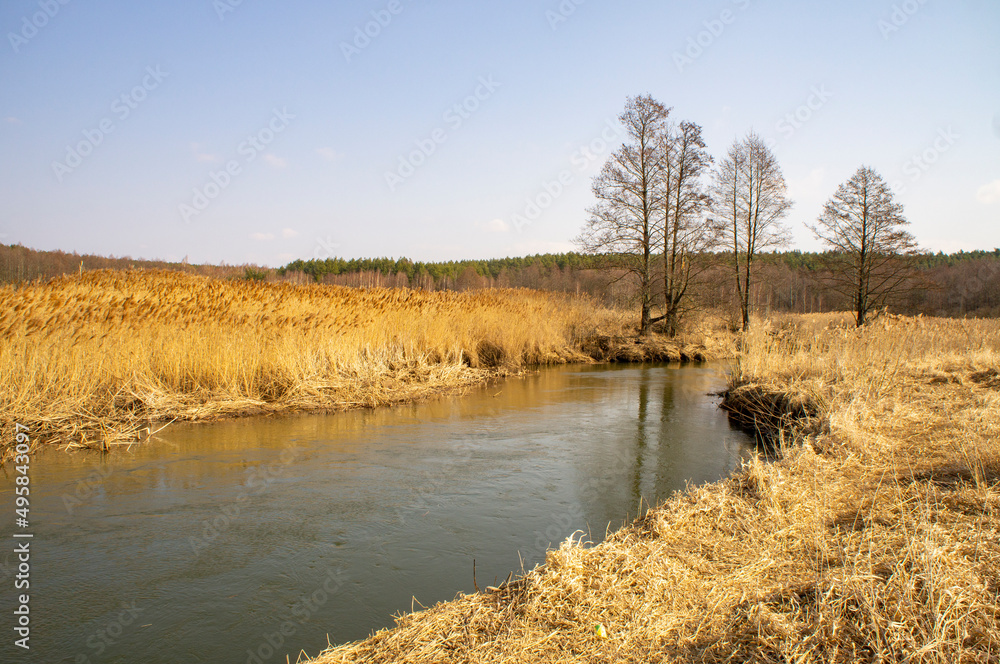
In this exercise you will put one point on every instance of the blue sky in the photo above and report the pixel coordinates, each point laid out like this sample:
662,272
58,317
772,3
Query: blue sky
259,131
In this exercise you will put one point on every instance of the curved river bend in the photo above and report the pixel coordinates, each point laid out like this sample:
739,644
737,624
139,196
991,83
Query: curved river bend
250,540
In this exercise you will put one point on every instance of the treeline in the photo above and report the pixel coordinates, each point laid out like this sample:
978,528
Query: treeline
19,264
958,284
946,285
458,275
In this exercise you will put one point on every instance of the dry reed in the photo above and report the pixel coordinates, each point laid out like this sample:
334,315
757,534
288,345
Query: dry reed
876,539
97,359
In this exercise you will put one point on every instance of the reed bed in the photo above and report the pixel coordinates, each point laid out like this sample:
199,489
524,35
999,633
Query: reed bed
100,358
874,538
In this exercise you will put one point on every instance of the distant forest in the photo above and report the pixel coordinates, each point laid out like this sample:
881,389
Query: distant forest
959,284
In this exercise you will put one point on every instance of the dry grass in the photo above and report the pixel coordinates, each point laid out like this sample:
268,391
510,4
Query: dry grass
875,541
97,359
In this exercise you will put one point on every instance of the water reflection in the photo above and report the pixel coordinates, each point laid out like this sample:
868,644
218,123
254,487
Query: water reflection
640,438
222,535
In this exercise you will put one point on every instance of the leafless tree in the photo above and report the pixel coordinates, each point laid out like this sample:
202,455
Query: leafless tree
863,226
750,199
687,234
623,222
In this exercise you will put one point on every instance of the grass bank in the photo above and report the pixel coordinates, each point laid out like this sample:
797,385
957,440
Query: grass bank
105,357
874,538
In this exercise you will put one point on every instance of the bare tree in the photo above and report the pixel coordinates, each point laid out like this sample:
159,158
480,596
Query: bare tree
863,226
750,199
686,233
623,223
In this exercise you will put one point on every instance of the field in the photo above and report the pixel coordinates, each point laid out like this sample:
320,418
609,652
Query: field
874,537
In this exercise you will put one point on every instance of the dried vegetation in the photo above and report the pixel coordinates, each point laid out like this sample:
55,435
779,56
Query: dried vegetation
874,538
101,358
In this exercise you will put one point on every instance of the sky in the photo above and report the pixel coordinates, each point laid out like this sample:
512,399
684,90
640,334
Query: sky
257,131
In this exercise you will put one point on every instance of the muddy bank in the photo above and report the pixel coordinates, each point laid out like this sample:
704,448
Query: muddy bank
769,412
606,348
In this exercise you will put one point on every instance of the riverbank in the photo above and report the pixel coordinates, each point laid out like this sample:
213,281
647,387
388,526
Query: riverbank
875,537
106,358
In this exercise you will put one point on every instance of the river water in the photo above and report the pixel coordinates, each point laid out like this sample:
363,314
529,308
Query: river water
253,539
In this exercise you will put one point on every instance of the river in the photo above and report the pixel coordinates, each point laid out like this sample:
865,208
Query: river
253,539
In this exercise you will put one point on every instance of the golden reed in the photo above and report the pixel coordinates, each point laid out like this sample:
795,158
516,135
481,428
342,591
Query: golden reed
93,359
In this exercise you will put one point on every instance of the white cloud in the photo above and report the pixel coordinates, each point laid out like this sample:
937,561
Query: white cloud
493,226
202,155
277,162
989,193
286,258
262,237
289,233
11,119
327,153
811,186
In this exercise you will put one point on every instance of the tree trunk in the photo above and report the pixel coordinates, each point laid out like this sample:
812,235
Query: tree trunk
645,325
745,302
671,322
